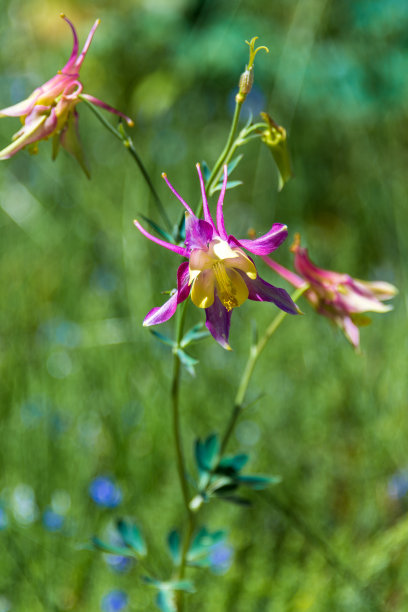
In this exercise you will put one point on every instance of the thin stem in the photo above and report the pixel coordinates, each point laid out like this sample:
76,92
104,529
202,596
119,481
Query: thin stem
128,144
254,354
217,169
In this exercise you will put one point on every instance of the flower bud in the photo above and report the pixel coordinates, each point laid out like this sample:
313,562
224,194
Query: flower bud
247,77
275,139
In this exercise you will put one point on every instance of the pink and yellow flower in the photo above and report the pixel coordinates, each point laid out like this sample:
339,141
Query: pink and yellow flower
51,109
219,276
337,296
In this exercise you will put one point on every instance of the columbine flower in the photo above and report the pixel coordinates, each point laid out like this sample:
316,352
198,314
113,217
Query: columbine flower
218,275
339,297
51,109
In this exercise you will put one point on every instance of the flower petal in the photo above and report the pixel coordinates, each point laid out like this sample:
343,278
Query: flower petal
21,108
261,291
37,127
350,329
220,203
88,41
202,291
98,102
264,244
74,53
167,245
218,320
198,233
206,210
164,313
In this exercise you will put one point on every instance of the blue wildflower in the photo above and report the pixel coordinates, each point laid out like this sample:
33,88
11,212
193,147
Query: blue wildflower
114,601
105,492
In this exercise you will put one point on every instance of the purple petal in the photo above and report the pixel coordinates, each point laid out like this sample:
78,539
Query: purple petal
220,203
178,196
164,313
218,320
264,244
198,233
167,245
88,41
206,210
74,53
21,108
98,102
351,331
261,291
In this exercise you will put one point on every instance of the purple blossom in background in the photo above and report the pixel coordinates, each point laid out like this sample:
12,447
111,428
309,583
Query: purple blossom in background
3,519
118,563
218,275
114,601
398,485
51,109
52,521
105,492
221,558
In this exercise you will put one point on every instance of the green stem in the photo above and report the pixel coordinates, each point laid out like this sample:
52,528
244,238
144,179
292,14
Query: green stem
128,144
254,354
216,171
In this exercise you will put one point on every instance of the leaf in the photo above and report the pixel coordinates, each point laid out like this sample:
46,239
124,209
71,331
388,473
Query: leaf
163,338
258,483
194,334
159,230
187,361
132,536
206,171
230,185
234,163
206,452
173,540
232,464
165,601
122,551
236,499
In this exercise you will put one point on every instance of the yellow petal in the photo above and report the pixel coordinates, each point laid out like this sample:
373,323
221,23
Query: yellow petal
202,291
231,288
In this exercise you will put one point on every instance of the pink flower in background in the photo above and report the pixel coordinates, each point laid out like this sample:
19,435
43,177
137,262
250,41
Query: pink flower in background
51,109
339,297
218,275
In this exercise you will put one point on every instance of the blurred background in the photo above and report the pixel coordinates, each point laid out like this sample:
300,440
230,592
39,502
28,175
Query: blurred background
85,425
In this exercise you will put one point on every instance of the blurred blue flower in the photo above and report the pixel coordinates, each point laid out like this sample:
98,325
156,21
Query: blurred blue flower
114,601
118,563
52,521
104,492
398,485
220,558
3,519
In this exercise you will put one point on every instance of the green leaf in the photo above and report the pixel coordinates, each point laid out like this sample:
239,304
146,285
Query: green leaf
113,550
230,185
174,543
258,482
132,536
166,602
234,163
234,463
206,171
163,338
187,361
194,334
159,230
203,542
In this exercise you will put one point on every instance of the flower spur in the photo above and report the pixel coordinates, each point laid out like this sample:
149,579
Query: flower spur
219,276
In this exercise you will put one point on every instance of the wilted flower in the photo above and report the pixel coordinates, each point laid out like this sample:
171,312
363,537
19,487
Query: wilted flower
218,275
51,109
339,297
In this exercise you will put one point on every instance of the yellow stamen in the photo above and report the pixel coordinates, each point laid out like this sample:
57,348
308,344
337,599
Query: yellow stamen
225,289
